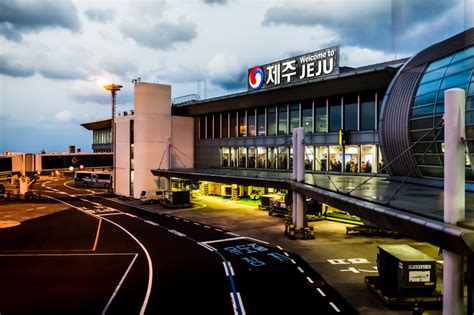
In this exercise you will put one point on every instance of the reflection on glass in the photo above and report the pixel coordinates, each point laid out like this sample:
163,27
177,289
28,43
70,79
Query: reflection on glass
334,114
294,116
335,158
321,115
351,158
271,121
308,158
321,158
367,157
367,111
282,120
271,157
350,112
225,157
252,132
242,124
242,157
282,158
233,157
261,152
261,121
307,115
251,157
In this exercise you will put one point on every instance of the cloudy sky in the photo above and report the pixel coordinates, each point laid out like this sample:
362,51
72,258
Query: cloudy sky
55,55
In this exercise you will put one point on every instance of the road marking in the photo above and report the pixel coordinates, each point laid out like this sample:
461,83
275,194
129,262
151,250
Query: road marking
167,215
241,304
119,284
225,268
152,223
207,226
176,232
219,230
321,292
195,223
234,305
41,208
301,270
294,262
228,268
109,214
97,235
129,214
257,240
310,280
286,254
233,234
225,240
279,247
334,307
176,218
186,220
231,269
212,249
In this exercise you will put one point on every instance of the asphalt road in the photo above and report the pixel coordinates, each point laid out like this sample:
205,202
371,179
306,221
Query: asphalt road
102,256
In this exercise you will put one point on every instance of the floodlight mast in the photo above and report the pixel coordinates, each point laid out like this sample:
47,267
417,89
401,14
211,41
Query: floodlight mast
113,88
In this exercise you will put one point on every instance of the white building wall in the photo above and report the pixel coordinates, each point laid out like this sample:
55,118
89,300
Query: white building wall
182,142
122,159
152,106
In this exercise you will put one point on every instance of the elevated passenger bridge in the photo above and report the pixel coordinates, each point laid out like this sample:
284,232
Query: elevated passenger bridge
411,209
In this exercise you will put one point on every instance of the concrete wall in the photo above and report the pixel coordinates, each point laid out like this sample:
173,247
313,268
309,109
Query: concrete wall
122,159
182,140
152,133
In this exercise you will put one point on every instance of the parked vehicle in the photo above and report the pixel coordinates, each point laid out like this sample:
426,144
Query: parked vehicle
152,196
93,179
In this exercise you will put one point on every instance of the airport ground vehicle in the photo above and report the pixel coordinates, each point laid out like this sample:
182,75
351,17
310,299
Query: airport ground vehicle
93,179
152,196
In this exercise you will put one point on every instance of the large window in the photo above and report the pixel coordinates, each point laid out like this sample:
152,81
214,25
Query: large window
309,158
225,157
334,113
252,129
335,157
261,121
282,120
225,125
233,124
321,115
283,158
217,125
261,152
271,121
202,127
242,124
321,159
294,116
352,159
307,116
350,112
251,157
368,156
233,157
242,157
271,157
209,126
367,111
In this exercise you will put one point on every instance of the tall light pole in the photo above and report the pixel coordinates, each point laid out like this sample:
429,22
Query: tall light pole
113,88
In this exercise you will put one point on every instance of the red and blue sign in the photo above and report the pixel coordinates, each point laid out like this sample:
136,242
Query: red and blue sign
256,78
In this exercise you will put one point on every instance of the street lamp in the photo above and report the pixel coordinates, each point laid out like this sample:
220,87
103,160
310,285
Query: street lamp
113,88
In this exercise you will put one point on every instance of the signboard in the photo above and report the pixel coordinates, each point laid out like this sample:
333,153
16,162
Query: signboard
305,67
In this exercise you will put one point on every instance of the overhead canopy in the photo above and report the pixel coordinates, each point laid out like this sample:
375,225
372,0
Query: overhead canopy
99,124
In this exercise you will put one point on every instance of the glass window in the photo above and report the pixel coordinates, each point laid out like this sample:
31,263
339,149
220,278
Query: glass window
425,99
307,116
271,157
423,111
460,66
225,157
261,155
367,111
308,158
252,132
321,158
350,112
209,126
455,80
282,158
335,158
351,159
334,113
282,120
290,151
381,165
202,127
251,157
321,115
428,87
368,157
261,121
423,123
217,125
242,157
233,124
233,157
440,63
242,124
294,116
225,125
464,54
471,89
271,121
434,75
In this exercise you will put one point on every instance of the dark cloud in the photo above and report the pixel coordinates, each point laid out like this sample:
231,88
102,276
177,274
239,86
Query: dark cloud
17,17
62,74
367,24
215,1
235,82
120,67
100,15
14,69
164,36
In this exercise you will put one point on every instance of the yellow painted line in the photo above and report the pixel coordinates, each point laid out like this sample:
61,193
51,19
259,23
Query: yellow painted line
97,235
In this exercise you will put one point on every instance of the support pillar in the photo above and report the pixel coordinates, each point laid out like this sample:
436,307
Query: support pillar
298,175
454,195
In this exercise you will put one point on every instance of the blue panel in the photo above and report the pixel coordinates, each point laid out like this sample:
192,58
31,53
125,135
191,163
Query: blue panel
425,99
433,75
466,64
458,79
464,54
422,111
428,87
440,63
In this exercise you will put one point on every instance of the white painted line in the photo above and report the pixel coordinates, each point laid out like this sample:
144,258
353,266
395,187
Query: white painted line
109,214
119,285
212,249
334,307
234,305
207,226
195,223
84,199
130,215
167,215
231,269
176,232
294,262
152,223
41,208
225,269
286,254
279,247
321,292
233,234
185,220
225,240
257,240
218,230
310,280
241,304
301,270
